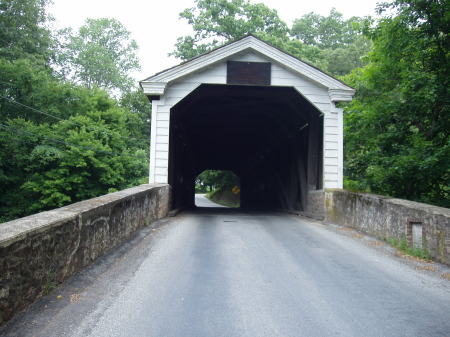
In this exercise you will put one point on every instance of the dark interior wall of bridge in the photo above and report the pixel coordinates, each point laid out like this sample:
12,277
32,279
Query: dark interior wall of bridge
271,137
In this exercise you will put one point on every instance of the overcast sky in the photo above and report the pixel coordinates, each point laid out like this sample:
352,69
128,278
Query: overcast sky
155,24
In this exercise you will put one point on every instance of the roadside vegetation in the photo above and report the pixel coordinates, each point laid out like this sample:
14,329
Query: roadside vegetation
222,187
73,125
403,246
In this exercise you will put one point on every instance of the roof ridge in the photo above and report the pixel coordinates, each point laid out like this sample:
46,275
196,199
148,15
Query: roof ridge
228,43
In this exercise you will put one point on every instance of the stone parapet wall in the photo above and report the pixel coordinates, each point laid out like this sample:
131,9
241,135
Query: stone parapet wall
314,205
386,217
39,251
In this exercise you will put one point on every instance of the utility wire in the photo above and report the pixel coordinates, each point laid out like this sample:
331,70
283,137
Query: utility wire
38,111
7,127
53,116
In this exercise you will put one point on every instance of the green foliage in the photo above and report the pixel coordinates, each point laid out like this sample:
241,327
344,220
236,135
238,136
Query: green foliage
397,127
61,142
210,180
101,54
23,29
47,165
217,21
403,246
331,31
341,41
225,197
330,43
50,284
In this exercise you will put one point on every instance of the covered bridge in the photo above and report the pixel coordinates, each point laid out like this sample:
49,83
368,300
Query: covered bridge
253,109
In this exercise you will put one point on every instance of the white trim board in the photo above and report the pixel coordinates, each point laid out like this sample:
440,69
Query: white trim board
156,84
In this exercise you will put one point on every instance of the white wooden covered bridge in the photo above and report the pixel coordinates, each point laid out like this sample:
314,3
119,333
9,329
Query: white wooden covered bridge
253,109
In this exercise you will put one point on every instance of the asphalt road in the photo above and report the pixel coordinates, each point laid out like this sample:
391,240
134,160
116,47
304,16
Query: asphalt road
221,272
202,201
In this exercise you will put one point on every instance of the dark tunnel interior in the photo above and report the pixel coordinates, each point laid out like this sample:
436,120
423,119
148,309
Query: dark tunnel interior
271,137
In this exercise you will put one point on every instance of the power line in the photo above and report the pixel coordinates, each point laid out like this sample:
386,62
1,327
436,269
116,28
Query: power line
55,117
81,147
38,111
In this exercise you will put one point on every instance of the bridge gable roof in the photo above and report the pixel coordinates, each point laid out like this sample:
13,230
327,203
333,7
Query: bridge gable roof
155,85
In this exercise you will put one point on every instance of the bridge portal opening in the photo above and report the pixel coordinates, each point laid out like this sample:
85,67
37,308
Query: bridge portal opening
220,186
271,137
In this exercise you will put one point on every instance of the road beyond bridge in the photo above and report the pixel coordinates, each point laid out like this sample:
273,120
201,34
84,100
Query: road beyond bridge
223,272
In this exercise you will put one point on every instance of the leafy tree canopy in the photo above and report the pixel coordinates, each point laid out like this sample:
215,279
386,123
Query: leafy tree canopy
70,144
217,179
23,29
397,127
331,31
330,43
101,54
61,142
341,41
218,21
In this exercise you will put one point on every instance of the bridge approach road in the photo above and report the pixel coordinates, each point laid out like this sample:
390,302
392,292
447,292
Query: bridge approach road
222,272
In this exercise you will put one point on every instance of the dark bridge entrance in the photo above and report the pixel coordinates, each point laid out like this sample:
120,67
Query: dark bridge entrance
271,137
250,108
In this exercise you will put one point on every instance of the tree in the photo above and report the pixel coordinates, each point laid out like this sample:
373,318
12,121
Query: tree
341,41
217,180
60,142
23,29
47,161
101,54
218,21
331,31
397,128
138,121
330,43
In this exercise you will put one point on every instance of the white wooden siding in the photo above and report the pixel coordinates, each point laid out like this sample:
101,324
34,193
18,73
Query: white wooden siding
333,148
314,92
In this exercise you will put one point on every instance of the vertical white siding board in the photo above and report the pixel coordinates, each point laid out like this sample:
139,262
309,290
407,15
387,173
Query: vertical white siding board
162,155
161,163
162,147
162,139
164,131
340,181
163,116
153,145
330,152
160,171
161,179
331,169
163,124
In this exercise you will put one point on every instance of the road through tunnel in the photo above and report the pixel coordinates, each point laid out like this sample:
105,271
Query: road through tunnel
271,137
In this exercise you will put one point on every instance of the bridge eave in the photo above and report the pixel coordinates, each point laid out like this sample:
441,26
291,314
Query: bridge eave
341,95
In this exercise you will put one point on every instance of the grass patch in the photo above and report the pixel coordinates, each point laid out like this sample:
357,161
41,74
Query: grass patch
224,197
402,245
50,284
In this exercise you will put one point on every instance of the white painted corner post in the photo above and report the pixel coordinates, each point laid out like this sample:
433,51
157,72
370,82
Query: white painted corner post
333,138
151,178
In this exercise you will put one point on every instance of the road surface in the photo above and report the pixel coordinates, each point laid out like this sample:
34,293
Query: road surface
224,272
202,201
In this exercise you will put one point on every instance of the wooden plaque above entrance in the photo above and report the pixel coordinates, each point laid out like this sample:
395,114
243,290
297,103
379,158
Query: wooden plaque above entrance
251,73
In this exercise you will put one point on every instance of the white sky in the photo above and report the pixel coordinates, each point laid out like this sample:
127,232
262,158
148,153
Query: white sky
155,24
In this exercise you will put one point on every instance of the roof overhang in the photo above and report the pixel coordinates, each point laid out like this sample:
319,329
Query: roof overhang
156,84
